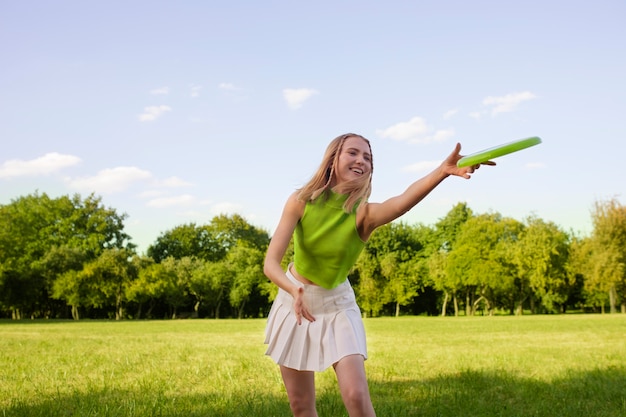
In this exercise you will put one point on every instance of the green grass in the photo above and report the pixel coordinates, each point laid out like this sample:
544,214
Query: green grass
570,365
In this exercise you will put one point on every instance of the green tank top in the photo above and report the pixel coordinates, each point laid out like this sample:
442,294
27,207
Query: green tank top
326,241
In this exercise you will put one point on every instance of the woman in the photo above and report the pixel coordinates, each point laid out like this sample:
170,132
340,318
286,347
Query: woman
315,322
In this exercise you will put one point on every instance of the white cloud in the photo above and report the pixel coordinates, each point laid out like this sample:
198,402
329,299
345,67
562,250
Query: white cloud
295,97
175,182
195,91
44,165
150,194
415,130
422,166
449,114
225,208
535,165
507,103
161,91
442,135
228,87
110,180
151,113
175,201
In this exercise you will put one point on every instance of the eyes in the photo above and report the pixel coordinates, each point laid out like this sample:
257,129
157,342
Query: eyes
355,153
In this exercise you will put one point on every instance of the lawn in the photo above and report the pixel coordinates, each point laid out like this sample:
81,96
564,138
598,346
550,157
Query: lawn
566,365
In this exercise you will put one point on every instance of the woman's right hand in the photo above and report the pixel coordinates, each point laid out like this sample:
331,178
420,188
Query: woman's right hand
300,308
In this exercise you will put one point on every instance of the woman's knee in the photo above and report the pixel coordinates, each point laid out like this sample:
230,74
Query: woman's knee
300,387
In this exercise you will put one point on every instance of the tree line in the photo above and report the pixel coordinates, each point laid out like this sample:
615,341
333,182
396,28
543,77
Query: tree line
69,257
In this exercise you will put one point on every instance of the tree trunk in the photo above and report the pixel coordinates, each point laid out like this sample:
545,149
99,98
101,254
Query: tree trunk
217,309
75,313
150,308
240,312
456,305
613,299
475,304
445,304
119,308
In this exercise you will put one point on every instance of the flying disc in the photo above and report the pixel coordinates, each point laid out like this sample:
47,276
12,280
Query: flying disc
500,150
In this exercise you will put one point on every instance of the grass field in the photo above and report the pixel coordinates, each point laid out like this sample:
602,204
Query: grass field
570,365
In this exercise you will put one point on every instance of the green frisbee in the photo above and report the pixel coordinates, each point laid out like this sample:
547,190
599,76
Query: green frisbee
500,150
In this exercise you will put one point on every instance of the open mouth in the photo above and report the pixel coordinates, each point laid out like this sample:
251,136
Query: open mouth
357,171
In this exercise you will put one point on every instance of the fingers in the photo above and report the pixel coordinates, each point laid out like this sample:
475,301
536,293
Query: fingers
303,313
456,153
300,309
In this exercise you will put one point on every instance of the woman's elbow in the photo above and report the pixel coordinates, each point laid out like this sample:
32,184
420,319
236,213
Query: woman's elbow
268,265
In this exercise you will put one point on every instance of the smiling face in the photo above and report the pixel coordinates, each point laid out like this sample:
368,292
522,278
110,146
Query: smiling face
354,162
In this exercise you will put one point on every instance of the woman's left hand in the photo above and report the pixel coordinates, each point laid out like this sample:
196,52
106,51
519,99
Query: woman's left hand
449,165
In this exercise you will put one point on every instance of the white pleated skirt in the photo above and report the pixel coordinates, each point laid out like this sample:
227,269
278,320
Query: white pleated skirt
314,346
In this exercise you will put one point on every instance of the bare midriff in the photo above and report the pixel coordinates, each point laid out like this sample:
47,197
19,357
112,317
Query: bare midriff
299,277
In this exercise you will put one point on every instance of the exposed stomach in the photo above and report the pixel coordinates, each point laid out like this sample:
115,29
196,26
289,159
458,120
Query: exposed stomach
299,277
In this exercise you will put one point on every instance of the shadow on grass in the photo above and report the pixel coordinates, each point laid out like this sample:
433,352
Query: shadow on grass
599,393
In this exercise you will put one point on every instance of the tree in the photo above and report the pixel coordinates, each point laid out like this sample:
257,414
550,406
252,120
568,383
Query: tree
390,268
147,287
60,260
402,279
232,229
209,242
475,264
102,282
609,234
187,240
210,284
370,284
178,274
447,228
445,232
541,256
246,266
586,261
34,225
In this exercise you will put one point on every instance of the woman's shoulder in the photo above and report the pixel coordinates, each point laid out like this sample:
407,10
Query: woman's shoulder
365,219
294,204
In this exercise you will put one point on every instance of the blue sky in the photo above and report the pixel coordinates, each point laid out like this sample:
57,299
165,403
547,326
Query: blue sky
175,112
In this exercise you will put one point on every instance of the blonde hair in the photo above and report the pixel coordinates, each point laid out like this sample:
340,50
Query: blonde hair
359,190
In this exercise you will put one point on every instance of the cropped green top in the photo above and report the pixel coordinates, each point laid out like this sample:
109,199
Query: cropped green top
326,241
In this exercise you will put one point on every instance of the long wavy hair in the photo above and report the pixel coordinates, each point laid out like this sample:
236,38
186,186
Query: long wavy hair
318,186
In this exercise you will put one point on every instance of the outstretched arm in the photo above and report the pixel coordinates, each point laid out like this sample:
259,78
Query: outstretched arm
373,215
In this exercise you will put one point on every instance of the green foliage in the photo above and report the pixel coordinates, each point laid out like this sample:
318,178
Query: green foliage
210,285
71,257
609,251
210,242
477,267
447,228
246,266
187,240
541,256
41,238
392,268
